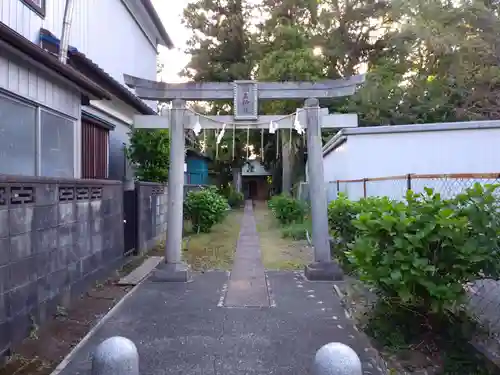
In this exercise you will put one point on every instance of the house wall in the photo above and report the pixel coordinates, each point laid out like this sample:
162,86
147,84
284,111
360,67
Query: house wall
129,48
56,238
32,87
124,49
432,152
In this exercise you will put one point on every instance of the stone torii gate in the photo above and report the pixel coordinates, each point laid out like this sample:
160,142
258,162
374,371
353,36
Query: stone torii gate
246,96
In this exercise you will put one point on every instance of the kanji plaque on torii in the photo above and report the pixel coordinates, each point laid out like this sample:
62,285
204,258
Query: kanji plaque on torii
246,96
246,101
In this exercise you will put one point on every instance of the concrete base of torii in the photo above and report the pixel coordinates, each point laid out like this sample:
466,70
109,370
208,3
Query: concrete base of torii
323,271
171,272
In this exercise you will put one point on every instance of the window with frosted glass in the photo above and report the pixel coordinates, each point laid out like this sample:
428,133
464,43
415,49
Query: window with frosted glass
57,145
17,138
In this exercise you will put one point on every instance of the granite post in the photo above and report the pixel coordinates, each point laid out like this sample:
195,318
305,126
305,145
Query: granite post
323,268
173,269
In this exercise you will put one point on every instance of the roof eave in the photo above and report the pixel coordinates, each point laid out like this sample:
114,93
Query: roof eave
33,54
166,40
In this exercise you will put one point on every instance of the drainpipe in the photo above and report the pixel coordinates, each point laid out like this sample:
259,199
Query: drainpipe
63,46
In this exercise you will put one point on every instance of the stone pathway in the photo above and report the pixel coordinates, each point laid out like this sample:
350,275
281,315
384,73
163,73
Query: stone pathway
183,328
247,284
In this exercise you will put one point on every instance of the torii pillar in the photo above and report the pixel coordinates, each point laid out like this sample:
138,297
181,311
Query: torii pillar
245,95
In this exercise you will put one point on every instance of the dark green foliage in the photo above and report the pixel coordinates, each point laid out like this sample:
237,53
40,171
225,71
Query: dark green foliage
205,208
234,198
422,251
418,254
287,210
149,152
341,213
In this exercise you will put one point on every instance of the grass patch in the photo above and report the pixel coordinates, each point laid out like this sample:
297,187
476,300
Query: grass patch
213,250
297,231
282,248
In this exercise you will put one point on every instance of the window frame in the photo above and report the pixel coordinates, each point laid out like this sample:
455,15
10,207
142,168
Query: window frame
40,10
38,130
38,154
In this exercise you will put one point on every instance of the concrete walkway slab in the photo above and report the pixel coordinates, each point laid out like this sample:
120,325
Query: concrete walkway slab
247,284
180,328
141,272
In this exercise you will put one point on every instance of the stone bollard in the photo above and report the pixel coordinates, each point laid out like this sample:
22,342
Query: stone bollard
116,356
336,359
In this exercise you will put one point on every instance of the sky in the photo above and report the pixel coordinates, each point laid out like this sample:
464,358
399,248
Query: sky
170,12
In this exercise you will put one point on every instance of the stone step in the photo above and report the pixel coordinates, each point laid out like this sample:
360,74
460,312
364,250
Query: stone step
137,275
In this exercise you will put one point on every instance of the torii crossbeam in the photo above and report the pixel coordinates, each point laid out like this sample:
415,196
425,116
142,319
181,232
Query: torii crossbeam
246,96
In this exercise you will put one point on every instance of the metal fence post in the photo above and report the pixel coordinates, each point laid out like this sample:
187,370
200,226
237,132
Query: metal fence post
338,187
408,181
364,187
116,356
336,359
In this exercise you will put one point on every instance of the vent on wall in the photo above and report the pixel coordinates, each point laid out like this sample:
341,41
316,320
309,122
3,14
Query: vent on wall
22,194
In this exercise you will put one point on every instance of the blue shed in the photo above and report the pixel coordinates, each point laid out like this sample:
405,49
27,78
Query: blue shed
196,168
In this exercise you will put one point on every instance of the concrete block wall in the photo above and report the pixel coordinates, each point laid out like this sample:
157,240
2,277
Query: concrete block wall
56,238
152,207
152,204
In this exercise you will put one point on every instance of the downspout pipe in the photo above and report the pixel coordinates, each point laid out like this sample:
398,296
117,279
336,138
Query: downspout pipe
64,45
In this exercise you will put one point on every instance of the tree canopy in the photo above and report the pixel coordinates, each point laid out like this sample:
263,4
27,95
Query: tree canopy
425,60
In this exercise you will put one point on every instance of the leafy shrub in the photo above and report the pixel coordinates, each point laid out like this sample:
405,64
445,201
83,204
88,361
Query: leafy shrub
205,208
421,252
341,213
149,152
236,199
287,210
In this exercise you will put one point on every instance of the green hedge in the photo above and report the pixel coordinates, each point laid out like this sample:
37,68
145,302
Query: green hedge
421,251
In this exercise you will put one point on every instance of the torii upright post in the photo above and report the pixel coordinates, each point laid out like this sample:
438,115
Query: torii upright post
323,267
246,95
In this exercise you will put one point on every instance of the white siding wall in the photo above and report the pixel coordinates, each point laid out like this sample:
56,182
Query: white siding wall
102,29
32,85
396,154
379,155
122,49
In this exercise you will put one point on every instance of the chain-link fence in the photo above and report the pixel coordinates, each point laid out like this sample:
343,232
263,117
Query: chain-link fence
484,295
395,187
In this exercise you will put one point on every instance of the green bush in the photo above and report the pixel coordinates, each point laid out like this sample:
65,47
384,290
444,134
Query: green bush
234,198
287,210
341,213
419,253
205,208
